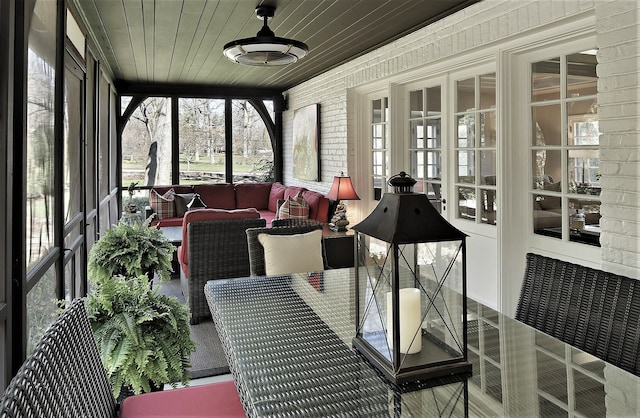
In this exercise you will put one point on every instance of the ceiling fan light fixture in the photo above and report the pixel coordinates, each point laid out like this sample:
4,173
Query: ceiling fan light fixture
265,49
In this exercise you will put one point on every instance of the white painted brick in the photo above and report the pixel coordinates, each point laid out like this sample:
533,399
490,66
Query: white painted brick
492,22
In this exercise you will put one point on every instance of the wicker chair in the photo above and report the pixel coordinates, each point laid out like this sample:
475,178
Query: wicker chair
595,311
256,252
296,222
63,377
217,250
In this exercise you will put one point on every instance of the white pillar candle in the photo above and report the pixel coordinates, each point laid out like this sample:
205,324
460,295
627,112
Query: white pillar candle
410,321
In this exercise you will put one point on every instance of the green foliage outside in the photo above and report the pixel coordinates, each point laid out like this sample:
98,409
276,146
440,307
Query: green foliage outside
143,337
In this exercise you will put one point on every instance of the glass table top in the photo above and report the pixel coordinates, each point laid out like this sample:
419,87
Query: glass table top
288,343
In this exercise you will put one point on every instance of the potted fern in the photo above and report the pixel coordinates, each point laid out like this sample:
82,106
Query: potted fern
143,336
131,250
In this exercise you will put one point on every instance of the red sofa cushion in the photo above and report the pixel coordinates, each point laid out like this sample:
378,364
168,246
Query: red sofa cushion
207,215
217,195
212,400
318,205
276,193
292,191
176,188
253,195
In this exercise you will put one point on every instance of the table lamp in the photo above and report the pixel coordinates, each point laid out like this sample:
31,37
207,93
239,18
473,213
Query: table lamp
341,189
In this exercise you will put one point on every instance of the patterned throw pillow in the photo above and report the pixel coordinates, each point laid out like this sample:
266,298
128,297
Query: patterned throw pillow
294,207
163,206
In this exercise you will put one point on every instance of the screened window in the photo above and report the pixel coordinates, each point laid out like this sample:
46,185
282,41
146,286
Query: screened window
202,141
251,145
207,150
40,132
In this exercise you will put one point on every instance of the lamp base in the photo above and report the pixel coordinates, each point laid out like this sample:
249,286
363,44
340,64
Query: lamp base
339,225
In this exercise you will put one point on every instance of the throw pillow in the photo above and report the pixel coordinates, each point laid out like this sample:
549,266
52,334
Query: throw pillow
181,201
294,207
163,205
298,253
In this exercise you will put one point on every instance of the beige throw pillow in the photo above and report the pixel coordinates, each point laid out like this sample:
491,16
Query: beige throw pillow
298,253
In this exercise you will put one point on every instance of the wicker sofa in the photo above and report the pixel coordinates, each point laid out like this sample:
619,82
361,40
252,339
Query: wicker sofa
263,196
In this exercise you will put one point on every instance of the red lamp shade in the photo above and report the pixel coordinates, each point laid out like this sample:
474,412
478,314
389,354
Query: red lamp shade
342,189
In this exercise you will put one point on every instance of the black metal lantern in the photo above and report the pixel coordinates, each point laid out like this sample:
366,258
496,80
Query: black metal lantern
411,310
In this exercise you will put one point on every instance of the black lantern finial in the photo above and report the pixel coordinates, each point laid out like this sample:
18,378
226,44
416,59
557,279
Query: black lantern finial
402,183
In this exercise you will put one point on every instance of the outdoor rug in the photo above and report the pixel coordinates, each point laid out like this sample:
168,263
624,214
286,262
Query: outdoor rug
208,359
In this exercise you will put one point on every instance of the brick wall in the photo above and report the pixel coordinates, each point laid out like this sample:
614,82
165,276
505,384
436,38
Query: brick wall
487,24
619,112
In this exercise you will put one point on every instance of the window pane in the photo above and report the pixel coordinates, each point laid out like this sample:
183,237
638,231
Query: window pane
466,167
201,131
376,117
252,152
377,137
434,133
433,101
417,134
466,131
582,79
546,125
584,171
417,165
488,91
466,95
488,129
72,146
545,80
584,131
466,203
488,206
146,144
377,163
488,167
584,221
40,132
41,307
434,165
415,104
547,171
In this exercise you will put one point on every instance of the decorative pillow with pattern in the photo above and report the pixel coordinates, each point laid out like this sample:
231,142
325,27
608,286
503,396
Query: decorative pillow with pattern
163,206
294,207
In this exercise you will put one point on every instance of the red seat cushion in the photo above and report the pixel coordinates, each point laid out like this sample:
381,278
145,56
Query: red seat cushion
212,400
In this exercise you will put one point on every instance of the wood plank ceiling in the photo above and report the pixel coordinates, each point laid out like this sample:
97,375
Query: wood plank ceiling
148,42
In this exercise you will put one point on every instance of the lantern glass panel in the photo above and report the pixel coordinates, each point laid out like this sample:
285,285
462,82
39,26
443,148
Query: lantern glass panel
431,317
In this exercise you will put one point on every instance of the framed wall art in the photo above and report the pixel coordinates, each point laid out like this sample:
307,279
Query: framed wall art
306,143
